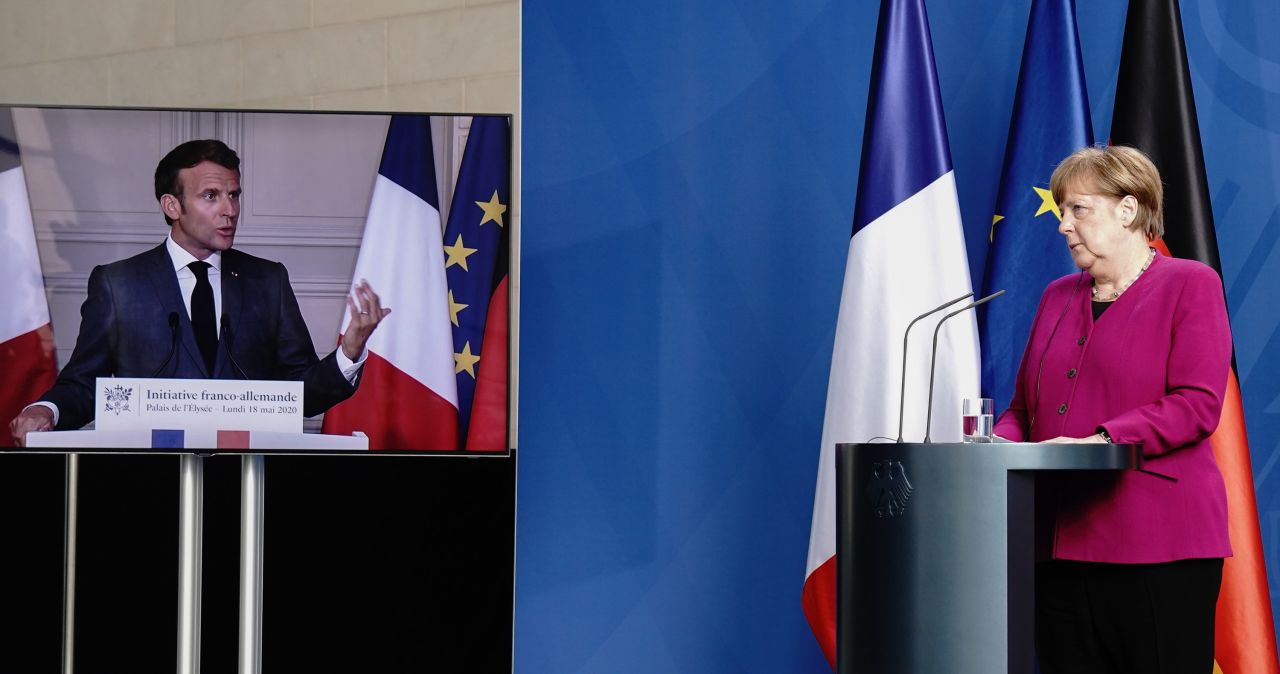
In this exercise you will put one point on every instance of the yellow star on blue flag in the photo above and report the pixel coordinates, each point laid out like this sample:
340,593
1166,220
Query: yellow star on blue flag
493,209
1047,203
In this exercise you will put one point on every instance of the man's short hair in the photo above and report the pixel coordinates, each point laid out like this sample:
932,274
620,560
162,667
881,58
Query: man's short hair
186,156
1116,171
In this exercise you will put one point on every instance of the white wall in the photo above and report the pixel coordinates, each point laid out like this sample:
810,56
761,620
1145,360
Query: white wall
419,55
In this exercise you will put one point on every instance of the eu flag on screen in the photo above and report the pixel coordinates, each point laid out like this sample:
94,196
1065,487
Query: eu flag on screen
1050,121
476,241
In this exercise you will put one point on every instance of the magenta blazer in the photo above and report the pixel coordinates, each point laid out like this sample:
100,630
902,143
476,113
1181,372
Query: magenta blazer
1152,370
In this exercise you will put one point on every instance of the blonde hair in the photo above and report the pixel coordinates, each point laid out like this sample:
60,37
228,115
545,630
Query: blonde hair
1116,171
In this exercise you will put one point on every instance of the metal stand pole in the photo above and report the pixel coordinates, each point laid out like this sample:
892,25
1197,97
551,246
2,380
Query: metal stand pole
190,540
71,505
252,484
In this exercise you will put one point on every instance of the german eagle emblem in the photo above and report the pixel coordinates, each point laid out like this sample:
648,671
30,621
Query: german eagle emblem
890,489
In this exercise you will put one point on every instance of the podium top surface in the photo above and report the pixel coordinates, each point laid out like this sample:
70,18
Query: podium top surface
211,443
1010,455
423,453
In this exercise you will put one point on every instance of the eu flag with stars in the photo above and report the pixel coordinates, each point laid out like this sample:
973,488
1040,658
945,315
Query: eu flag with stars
476,241
1050,121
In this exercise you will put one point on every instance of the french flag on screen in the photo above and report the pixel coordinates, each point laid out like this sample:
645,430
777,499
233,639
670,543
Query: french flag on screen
26,338
906,256
408,396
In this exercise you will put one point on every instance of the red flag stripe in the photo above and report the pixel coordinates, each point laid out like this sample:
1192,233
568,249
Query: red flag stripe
410,415
1245,632
819,602
30,367
487,431
233,440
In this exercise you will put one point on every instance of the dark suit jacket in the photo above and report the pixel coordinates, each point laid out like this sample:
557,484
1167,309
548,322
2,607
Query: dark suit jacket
125,332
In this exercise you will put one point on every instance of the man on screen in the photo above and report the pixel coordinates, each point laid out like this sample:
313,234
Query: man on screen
195,308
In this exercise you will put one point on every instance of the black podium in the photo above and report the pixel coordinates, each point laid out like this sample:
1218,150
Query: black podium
934,549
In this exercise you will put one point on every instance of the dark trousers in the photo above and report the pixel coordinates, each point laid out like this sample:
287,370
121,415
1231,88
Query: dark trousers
1126,618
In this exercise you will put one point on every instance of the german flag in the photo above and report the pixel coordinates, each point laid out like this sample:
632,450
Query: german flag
1155,112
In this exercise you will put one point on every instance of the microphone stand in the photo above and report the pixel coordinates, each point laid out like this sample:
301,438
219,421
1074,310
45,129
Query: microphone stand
902,392
933,360
230,339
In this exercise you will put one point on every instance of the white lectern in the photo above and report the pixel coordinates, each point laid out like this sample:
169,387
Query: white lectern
140,424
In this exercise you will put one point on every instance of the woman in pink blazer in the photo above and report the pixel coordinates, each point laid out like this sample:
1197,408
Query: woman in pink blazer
1133,349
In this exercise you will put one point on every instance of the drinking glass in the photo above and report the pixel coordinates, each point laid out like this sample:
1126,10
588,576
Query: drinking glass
978,419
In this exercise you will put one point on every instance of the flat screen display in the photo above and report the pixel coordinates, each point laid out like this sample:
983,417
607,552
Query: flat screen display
417,206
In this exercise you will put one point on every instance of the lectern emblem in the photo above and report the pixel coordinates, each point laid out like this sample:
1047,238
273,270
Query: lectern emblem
890,489
118,398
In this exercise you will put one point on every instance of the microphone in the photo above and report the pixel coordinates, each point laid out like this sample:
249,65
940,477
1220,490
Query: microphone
173,342
902,393
226,333
933,360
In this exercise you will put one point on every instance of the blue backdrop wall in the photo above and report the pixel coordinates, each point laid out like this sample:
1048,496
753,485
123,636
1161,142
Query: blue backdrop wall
688,184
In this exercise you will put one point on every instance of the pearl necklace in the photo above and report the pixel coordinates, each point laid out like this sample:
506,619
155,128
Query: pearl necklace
1151,256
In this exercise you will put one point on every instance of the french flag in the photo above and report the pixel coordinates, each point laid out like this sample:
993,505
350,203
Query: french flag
906,256
26,338
408,396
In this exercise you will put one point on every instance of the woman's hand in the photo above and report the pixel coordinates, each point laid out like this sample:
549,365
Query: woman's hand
1096,438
